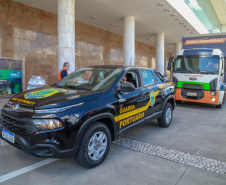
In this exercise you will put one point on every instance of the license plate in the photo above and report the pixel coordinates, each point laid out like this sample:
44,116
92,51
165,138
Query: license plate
8,135
191,94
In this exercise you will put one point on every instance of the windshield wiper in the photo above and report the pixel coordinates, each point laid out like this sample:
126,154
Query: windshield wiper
79,87
74,87
205,72
184,71
55,85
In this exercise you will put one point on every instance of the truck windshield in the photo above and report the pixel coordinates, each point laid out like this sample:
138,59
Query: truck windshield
197,64
94,79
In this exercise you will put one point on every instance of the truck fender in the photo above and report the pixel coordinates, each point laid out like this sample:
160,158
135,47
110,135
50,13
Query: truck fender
170,97
88,122
222,87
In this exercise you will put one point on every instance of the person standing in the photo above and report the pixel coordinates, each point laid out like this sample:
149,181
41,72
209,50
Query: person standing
64,71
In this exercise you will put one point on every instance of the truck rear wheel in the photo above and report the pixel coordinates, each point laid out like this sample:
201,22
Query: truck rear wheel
94,146
167,116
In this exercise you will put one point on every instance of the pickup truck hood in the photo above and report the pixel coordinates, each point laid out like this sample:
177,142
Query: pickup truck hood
52,97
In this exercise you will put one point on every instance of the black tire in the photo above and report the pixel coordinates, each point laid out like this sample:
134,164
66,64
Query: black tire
164,121
221,105
178,101
83,157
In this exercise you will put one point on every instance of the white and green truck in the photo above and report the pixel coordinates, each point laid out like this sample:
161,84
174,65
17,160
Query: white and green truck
198,70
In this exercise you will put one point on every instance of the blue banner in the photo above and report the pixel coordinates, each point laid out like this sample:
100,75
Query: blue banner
212,42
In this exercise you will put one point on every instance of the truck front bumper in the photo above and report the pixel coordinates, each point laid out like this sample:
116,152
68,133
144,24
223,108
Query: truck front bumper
207,97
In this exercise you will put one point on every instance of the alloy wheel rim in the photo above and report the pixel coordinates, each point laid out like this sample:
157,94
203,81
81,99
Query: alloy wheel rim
168,115
97,146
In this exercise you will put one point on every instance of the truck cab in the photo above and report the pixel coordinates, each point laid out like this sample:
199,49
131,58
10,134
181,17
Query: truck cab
198,75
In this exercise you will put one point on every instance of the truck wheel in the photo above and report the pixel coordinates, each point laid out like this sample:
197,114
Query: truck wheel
94,146
219,106
178,101
167,116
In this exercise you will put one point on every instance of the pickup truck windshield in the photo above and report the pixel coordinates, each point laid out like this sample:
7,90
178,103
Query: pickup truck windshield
93,79
197,64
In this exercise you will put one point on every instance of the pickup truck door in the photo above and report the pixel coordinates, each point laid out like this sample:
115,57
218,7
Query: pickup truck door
152,91
131,106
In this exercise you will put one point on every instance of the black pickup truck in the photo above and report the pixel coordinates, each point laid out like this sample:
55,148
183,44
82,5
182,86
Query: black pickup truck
80,115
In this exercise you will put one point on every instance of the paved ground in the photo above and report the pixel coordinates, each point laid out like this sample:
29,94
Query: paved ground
191,151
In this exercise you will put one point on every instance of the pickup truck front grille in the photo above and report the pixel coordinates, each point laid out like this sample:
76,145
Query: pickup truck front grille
14,129
14,121
19,126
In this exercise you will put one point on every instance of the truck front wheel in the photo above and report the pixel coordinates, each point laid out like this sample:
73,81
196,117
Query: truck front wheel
178,101
94,146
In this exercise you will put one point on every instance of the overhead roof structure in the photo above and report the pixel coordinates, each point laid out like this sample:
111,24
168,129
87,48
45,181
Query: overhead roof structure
171,17
220,9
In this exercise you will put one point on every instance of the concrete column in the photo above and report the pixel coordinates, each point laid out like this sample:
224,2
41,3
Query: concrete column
66,33
223,28
160,52
165,62
178,47
129,41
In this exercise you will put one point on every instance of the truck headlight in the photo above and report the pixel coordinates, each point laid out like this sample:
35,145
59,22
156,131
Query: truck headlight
213,93
213,99
47,124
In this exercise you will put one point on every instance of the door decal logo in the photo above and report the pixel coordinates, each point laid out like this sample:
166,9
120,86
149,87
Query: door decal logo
131,119
126,109
138,110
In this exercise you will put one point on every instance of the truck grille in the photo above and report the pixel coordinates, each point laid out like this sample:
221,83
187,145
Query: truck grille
197,91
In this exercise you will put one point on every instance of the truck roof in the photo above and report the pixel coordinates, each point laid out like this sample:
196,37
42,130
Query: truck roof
206,41
200,51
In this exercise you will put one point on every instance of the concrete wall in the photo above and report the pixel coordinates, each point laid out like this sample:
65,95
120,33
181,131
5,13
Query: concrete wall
30,33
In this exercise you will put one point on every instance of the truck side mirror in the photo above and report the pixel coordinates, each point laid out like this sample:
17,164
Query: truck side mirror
126,87
169,67
165,79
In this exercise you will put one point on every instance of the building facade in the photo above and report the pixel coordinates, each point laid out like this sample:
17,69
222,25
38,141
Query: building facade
30,33
33,34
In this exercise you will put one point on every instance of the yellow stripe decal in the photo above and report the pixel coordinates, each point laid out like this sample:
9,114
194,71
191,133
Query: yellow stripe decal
136,111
